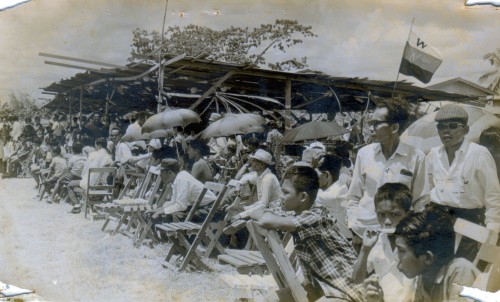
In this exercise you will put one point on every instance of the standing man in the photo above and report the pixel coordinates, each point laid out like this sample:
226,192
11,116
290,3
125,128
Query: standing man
386,160
462,176
121,153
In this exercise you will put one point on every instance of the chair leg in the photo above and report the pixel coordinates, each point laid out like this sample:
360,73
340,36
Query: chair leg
119,224
214,238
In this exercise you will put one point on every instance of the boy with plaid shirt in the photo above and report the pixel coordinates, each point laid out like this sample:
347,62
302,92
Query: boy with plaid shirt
325,256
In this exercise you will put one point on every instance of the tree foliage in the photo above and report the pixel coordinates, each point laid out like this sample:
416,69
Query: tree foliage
233,44
21,103
493,76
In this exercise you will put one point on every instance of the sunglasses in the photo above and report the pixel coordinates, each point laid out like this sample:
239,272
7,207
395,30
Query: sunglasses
451,125
375,123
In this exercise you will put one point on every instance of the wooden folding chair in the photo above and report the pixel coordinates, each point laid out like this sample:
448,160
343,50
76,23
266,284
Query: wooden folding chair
178,232
101,190
129,211
278,263
487,259
489,279
131,178
473,231
113,211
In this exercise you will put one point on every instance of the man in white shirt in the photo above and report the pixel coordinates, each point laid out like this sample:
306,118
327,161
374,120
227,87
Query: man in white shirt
387,160
268,191
121,154
185,189
462,176
97,159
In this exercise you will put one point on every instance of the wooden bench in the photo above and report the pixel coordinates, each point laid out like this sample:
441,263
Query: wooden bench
246,262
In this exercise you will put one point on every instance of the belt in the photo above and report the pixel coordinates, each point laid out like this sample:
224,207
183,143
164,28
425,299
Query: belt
473,215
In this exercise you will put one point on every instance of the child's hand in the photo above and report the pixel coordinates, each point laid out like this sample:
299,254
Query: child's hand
370,238
373,291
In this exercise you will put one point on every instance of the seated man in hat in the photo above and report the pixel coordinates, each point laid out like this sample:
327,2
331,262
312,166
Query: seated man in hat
185,191
462,176
268,190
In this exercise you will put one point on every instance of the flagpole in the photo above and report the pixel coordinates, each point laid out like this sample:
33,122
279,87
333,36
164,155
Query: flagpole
399,68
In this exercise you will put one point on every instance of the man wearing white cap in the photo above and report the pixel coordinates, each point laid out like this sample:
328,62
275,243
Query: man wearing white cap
268,188
462,175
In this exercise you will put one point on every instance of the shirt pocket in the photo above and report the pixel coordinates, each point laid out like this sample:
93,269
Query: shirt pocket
451,185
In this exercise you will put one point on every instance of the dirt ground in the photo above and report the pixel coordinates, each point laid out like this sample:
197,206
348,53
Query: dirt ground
65,257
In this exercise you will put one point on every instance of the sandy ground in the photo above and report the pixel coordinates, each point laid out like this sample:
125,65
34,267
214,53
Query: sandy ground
64,257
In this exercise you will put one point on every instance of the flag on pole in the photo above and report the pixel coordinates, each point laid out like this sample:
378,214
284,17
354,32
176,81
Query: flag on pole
420,59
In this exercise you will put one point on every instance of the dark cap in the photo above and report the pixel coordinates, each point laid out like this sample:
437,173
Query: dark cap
170,164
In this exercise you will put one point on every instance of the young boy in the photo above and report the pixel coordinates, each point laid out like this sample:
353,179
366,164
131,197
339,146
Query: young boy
425,243
325,256
378,254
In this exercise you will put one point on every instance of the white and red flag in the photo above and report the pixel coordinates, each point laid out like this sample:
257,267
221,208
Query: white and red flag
420,59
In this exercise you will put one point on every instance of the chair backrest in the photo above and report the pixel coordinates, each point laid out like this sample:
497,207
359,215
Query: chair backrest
98,179
473,231
151,184
487,259
202,231
217,188
277,260
489,279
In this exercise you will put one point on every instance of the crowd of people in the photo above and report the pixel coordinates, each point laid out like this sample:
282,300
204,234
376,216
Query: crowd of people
370,221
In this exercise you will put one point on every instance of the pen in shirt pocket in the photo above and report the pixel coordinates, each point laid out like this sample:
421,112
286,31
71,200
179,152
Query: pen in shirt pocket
406,172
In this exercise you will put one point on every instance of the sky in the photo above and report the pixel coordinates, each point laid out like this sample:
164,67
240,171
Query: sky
355,38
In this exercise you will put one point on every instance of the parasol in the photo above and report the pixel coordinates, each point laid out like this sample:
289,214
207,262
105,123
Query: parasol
314,130
231,124
423,134
157,134
132,134
170,118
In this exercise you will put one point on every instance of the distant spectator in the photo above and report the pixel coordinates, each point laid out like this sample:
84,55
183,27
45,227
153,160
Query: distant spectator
200,167
490,138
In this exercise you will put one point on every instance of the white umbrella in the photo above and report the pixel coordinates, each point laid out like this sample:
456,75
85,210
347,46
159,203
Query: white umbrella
170,118
231,124
314,130
132,134
157,134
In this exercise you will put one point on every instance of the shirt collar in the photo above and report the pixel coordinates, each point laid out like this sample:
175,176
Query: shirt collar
266,171
402,149
463,148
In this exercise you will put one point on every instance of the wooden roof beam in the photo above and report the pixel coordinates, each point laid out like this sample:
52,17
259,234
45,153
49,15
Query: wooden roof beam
80,60
77,67
212,89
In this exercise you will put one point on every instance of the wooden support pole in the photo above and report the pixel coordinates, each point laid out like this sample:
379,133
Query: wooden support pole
81,103
288,104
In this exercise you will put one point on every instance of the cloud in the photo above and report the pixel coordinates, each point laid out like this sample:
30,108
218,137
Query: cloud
355,38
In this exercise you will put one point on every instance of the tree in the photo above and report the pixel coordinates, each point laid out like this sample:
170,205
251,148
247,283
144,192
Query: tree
232,45
494,74
22,103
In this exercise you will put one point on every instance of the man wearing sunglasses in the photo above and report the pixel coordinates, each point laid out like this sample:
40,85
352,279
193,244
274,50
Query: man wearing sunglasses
386,160
462,176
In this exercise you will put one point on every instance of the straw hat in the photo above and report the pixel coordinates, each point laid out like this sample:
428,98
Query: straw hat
263,156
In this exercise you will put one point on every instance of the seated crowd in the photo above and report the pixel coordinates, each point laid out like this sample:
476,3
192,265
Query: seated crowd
378,226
